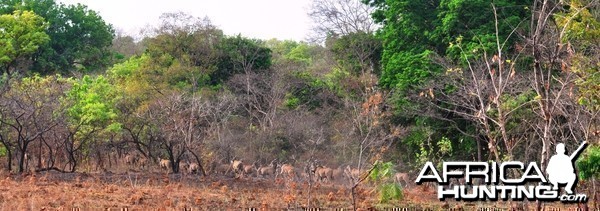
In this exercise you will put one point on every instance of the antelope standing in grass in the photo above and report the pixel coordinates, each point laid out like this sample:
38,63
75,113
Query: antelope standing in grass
183,167
131,159
193,168
337,174
249,169
142,162
353,174
324,173
165,164
222,169
237,167
288,171
269,170
402,177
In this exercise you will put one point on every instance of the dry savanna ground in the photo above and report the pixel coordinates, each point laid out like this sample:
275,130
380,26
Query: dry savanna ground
160,191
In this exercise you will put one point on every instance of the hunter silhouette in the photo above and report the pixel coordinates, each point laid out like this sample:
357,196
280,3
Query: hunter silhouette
560,168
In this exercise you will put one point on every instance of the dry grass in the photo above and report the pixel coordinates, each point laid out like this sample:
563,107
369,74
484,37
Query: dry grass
155,191
152,191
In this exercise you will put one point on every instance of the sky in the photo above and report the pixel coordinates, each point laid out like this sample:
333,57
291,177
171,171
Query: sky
263,19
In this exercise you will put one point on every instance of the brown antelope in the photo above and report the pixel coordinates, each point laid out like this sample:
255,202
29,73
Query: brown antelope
222,169
269,170
131,159
237,167
338,174
248,169
456,181
142,162
288,171
165,164
183,167
353,174
402,177
324,173
193,168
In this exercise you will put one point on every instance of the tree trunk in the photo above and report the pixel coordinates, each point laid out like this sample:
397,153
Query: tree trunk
22,157
50,155
9,157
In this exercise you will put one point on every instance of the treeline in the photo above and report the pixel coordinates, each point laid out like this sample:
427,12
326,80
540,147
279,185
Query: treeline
188,92
401,81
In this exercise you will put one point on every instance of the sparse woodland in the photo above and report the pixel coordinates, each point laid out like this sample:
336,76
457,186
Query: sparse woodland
380,88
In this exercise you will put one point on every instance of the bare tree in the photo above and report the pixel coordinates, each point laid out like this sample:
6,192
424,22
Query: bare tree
170,125
27,113
340,17
553,79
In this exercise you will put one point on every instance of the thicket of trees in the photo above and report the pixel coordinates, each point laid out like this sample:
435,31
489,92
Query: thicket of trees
419,81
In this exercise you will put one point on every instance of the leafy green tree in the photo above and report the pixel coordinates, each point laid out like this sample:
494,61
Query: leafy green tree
414,32
581,30
185,50
474,23
79,37
358,52
301,53
21,35
588,164
405,34
422,38
139,86
91,115
382,174
241,55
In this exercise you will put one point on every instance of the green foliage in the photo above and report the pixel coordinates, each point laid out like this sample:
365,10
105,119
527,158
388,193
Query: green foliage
93,104
291,101
305,90
405,36
472,23
382,174
589,81
357,52
414,31
137,79
445,146
22,34
587,164
300,53
79,38
421,142
185,68
416,36
239,54
582,29
390,191
2,151
342,83
128,67
579,24
407,70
